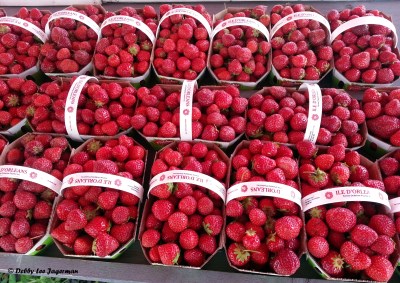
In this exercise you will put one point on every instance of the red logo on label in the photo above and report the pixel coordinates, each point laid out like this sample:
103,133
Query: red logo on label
186,112
25,24
81,17
328,195
70,180
315,117
289,18
70,109
118,182
162,177
223,24
33,175
138,23
244,188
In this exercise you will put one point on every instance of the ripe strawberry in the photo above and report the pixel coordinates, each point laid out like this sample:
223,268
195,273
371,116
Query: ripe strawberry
169,253
285,262
238,255
104,245
83,245
318,246
333,264
340,219
381,269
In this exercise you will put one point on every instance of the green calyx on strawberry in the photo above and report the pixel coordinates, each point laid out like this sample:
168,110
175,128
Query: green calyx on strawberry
93,146
318,179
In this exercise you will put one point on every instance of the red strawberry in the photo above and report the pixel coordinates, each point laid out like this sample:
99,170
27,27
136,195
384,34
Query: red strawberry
104,245
169,253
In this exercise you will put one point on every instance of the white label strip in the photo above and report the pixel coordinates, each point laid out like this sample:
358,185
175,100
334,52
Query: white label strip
76,16
367,20
103,180
242,21
71,106
344,194
264,189
314,111
395,204
189,177
189,12
132,22
301,16
36,31
32,175
185,110
16,128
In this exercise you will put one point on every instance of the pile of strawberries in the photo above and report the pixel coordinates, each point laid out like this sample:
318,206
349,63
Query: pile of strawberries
382,110
239,53
281,115
99,220
390,169
349,239
25,207
71,44
16,94
19,50
300,49
184,222
333,167
264,230
103,108
218,113
124,50
365,53
182,44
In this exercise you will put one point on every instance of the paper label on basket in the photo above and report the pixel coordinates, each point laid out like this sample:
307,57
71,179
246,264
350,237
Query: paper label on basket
188,12
242,21
132,22
395,204
264,189
314,111
103,180
367,20
76,16
343,194
71,106
32,175
36,31
190,177
302,16
185,110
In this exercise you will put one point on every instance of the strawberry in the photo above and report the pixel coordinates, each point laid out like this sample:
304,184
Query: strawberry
104,245
381,269
83,245
76,220
285,262
340,219
169,253
238,255
333,264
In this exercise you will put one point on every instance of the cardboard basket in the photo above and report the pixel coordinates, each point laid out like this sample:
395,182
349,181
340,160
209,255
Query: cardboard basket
35,176
241,21
56,221
264,189
158,143
338,78
81,18
37,32
187,12
151,199
340,194
137,81
312,14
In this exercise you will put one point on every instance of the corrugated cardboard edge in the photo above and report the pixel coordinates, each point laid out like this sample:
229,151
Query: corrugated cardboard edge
46,240
158,143
276,78
89,67
375,174
55,221
150,201
241,85
302,249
